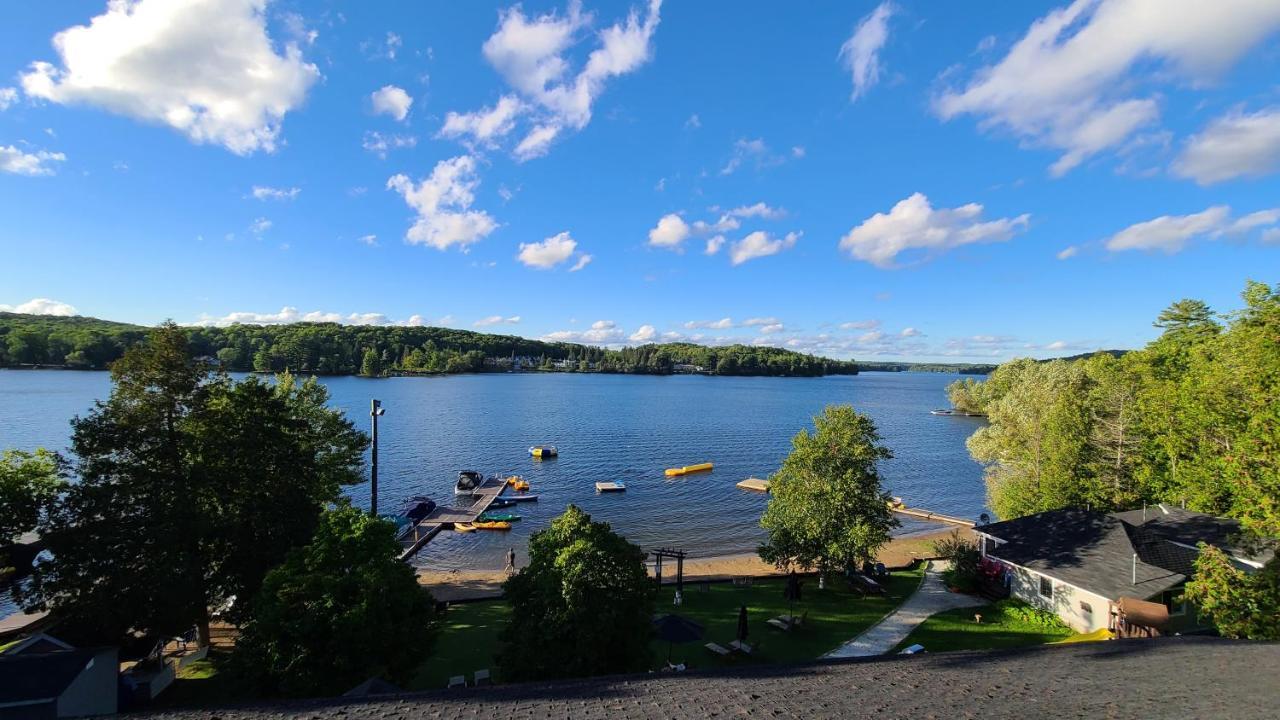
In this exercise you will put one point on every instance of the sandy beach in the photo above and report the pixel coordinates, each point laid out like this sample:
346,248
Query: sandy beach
458,585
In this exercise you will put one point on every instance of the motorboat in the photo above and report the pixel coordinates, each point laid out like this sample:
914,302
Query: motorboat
469,483
413,509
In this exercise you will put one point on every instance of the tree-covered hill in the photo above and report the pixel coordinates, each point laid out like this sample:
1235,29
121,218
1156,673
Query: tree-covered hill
330,348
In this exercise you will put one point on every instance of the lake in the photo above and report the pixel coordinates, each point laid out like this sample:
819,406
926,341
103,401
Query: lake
607,427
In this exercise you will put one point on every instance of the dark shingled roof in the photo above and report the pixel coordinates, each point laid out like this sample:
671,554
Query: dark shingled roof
1176,677
1095,551
39,676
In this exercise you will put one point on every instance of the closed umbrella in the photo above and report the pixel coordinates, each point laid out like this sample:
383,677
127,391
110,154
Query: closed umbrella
792,591
675,629
742,624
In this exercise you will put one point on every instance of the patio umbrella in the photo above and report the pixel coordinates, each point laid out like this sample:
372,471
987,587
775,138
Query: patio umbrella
792,591
675,629
742,624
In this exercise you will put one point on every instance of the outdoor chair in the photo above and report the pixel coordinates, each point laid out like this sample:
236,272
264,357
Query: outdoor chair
780,624
718,649
457,681
744,648
482,678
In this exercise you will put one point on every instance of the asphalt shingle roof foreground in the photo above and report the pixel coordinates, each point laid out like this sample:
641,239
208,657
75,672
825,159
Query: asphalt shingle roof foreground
1164,678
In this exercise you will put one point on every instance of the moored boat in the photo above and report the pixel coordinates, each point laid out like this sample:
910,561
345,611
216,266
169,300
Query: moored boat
498,517
464,527
469,482
494,525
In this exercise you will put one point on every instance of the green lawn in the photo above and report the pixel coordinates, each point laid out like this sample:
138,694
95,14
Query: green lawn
469,634
1003,625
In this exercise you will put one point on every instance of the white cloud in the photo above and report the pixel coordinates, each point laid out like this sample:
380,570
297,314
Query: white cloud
760,244
670,232
391,100
531,55
259,226
20,162
1056,345
860,325
694,122
861,52
760,321
583,260
206,68
602,332
724,224
262,192
646,333
1068,252
289,315
483,126
370,240
750,150
714,244
376,142
1074,81
41,306
548,253
910,332
393,45
1271,236
721,324
913,224
759,210
772,329
8,97
1234,145
1171,233
797,151
442,202
497,320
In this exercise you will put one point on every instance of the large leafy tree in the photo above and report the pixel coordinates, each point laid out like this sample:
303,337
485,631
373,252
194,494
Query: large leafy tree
582,606
191,486
1239,604
338,611
828,509
29,483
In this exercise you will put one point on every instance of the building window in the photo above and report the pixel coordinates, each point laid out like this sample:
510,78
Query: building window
1046,587
1174,600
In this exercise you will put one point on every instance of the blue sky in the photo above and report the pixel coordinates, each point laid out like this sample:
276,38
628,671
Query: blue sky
876,180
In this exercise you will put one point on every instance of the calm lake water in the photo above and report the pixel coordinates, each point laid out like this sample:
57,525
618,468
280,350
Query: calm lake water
607,427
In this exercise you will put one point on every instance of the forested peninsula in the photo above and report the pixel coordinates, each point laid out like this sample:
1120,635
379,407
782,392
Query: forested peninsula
332,349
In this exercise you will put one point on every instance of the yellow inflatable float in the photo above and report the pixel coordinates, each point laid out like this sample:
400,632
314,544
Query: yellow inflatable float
700,467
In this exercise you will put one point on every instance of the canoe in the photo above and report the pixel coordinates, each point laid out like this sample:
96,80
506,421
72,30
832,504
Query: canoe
498,517
700,467
532,497
496,525
464,527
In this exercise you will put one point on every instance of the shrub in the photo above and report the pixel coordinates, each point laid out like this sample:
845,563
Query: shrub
964,556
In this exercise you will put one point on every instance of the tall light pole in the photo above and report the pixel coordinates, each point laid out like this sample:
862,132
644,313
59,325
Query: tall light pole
375,411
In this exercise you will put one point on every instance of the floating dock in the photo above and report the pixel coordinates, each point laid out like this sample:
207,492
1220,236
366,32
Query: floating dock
610,487
755,484
416,536
898,507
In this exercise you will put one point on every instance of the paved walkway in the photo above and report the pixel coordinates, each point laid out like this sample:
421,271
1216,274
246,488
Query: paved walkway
932,597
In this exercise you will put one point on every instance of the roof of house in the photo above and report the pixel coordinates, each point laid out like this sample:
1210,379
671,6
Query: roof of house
39,676
1118,679
1136,553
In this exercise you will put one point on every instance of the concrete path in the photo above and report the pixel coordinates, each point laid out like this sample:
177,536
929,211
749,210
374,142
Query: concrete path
932,597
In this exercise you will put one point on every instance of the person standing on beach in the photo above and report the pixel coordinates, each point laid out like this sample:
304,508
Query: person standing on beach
511,561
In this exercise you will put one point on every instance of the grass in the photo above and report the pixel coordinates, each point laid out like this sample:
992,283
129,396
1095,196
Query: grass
469,636
203,683
1003,625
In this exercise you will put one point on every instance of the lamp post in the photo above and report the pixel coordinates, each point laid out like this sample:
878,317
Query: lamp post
375,411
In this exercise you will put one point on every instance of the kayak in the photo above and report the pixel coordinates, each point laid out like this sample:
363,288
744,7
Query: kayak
464,527
520,498
496,525
700,467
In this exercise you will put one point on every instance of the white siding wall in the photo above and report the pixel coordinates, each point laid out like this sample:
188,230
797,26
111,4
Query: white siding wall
1066,602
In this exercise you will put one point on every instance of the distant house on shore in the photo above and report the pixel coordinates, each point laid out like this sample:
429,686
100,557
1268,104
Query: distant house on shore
1095,569
687,368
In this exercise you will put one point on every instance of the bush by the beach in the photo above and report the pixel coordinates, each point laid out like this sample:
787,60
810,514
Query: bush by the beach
964,556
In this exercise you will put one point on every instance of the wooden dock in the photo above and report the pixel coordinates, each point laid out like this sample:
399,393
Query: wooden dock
901,509
442,518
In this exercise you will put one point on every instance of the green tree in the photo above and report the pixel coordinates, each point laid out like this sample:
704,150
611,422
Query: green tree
190,487
29,483
582,606
338,611
371,364
827,508
1238,603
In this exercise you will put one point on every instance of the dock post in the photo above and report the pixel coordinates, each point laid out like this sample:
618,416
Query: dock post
657,568
680,574
375,410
